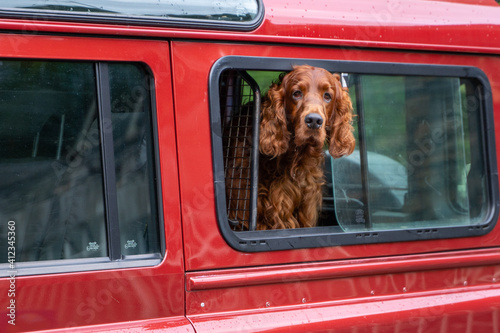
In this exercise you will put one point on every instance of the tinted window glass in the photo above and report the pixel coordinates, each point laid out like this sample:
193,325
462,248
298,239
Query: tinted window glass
222,10
415,156
132,137
50,163
52,153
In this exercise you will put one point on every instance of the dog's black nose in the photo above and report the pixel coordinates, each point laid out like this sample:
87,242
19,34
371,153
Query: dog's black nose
314,121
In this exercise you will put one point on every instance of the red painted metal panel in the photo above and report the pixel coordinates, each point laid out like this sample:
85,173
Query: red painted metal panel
354,288
254,276
232,291
204,245
344,282
464,26
471,310
164,325
107,296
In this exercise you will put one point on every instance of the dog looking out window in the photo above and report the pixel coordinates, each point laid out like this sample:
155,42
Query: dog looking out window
305,110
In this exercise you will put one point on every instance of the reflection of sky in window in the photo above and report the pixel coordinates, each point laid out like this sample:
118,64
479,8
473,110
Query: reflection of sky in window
157,8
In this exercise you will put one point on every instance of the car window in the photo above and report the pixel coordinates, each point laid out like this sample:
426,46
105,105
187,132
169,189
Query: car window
420,168
77,160
221,14
414,157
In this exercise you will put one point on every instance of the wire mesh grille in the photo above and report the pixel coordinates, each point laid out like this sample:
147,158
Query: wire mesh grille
236,100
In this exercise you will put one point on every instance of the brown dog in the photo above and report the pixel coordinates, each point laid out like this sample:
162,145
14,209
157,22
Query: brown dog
306,110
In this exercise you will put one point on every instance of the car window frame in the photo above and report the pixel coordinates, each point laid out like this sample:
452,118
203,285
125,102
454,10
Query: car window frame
115,259
274,240
123,19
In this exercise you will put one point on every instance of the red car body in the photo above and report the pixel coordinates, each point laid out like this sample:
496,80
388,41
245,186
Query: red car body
202,283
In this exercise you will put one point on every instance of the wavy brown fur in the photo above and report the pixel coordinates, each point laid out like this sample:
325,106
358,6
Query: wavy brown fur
291,153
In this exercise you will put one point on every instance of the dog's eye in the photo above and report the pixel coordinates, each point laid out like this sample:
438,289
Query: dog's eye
297,94
327,97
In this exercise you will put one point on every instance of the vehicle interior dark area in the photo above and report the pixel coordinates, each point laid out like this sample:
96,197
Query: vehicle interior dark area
51,159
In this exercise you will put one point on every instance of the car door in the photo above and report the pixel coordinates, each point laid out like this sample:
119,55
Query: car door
89,196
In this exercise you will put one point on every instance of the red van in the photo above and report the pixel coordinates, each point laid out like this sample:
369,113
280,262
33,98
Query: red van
117,194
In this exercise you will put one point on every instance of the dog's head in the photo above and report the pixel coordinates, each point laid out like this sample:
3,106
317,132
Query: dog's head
308,106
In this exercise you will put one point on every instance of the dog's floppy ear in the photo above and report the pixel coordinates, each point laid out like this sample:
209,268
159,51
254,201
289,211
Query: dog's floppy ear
274,136
342,141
